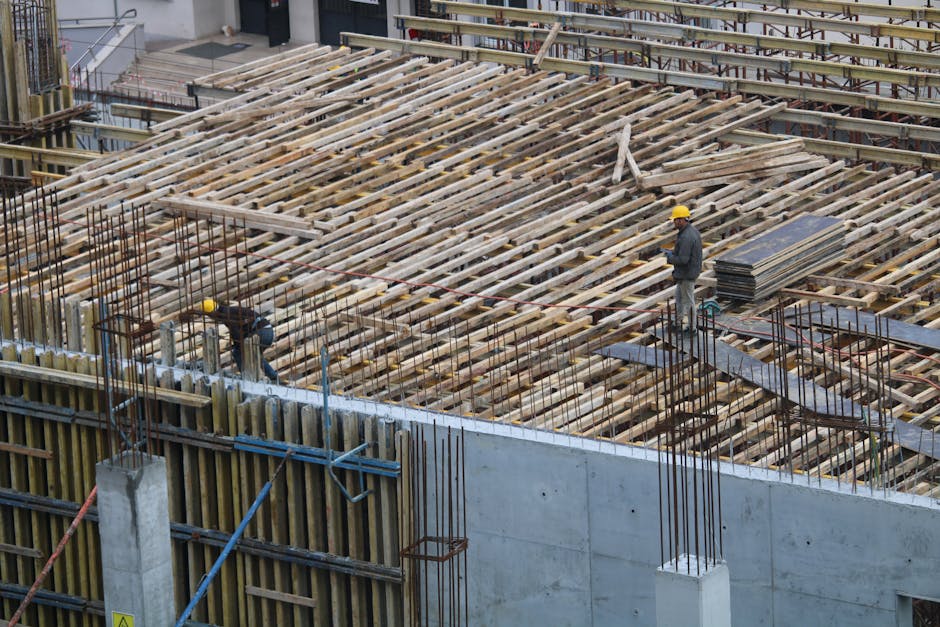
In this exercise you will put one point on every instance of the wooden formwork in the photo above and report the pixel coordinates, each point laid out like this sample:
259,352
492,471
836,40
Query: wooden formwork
449,233
308,556
451,230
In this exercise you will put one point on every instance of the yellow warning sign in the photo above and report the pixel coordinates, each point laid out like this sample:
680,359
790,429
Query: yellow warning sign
122,620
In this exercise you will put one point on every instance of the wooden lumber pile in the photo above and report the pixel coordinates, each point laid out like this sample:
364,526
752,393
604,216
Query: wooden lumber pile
783,255
733,165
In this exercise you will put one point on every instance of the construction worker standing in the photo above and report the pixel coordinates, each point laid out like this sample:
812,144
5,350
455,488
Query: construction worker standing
243,322
686,261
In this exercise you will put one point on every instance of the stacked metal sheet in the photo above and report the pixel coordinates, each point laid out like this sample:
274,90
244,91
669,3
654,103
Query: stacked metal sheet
780,257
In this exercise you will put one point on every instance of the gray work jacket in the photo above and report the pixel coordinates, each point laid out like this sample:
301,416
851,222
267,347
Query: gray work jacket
686,257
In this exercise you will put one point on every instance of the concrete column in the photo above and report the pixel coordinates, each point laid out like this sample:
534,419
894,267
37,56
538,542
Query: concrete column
686,598
134,525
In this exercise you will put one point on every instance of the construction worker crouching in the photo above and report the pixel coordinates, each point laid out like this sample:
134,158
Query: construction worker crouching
686,261
242,323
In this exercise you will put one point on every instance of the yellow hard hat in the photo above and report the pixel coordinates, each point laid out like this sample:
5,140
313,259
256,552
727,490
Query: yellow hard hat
208,305
680,211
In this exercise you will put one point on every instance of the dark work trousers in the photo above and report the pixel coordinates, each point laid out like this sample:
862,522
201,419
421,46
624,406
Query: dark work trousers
266,338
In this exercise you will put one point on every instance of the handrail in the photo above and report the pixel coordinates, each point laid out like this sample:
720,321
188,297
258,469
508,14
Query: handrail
114,25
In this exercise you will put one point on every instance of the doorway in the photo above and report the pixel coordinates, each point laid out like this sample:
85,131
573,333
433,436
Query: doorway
266,17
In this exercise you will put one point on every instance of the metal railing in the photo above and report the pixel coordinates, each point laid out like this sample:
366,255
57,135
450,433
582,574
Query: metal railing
129,13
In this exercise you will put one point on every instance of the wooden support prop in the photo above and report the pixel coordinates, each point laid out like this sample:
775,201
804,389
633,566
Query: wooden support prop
146,114
549,40
90,382
623,153
280,596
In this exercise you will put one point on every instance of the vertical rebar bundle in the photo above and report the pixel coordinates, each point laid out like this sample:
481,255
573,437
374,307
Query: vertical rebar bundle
437,550
120,289
33,256
33,24
689,477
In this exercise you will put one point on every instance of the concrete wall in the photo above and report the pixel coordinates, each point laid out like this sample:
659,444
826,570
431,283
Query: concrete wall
209,16
565,531
163,19
304,21
193,19
570,536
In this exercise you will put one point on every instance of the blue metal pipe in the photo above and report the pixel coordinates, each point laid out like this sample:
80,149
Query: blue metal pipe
309,459
207,579
312,451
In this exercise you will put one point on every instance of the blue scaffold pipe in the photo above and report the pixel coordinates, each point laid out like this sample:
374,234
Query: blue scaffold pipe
217,566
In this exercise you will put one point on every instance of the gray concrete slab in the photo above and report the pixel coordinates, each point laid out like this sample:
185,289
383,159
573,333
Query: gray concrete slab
807,609
517,582
869,324
623,592
523,496
830,548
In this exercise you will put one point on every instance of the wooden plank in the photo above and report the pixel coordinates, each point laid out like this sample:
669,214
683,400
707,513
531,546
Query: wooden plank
295,503
54,156
624,154
21,551
546,45
223,507
316,515
145,114
835,299
279,504
90,382
252,218
283,597
336,537
25,450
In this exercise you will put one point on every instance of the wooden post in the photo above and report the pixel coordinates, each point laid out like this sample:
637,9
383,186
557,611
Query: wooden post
273,429
374,523
251,358
316,513
89,316
73,324
168,343
405,507
6,315
210,350
358,588
224,514
389,519
336,537
296,496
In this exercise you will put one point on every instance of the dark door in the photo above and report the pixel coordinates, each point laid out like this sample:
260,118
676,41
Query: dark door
337,16
266,17
254,17
278,22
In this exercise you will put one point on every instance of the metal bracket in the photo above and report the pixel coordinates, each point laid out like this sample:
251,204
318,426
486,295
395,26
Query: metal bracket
333,461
